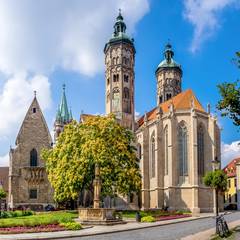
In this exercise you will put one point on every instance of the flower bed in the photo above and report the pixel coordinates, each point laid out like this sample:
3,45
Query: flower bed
170,217
41,228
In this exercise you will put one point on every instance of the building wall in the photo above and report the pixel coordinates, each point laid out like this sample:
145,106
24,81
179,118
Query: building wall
167,188
23,178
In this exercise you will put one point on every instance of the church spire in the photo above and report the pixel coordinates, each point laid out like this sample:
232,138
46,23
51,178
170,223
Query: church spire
63,116
63,113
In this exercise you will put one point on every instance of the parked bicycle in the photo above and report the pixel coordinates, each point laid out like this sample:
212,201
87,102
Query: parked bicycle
221,226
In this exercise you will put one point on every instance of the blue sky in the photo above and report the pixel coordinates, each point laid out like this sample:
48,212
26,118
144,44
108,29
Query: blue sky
67,47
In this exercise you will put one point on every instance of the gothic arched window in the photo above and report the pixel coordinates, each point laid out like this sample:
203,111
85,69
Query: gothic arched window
126,93
33,158
200,144
183,149
152,156
166,149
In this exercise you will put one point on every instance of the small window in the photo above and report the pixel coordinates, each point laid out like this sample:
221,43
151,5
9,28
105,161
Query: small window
115,77
33,158
160,99
126,78
236,197
229,183
235,182
229,198
33,194
131,198
34,110
108,81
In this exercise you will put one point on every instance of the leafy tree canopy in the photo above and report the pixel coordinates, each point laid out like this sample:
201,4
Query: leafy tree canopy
70,164
216,179
2,193
229,105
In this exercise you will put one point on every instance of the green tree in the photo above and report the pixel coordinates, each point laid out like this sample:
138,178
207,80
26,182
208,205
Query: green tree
3,194
216,179
70,164
229,105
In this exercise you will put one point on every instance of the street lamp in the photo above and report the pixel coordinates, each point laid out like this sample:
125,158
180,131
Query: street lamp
216,166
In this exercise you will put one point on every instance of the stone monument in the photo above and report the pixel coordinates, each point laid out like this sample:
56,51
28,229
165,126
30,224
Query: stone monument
97,215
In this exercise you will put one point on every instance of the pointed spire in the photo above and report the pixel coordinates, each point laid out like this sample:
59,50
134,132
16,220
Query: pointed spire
35,93
63,114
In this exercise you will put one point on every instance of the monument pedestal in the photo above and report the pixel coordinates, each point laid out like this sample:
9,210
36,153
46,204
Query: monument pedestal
98,216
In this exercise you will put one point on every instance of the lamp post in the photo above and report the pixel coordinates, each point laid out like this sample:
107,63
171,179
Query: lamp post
216,166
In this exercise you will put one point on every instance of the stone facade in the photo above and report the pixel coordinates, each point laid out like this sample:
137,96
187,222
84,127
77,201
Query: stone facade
28,182
119,75
176,141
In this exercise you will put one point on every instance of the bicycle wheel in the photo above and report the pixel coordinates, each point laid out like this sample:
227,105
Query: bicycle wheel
226,229
220,229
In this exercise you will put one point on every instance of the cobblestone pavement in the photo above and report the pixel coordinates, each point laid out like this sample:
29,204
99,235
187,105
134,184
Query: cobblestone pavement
168,232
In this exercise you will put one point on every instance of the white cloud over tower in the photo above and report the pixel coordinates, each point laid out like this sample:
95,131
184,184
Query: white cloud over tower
36,39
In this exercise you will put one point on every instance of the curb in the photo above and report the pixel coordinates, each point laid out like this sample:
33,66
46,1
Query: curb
70,235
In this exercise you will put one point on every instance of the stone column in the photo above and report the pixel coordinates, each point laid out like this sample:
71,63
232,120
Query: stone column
193,164
145,177
97,188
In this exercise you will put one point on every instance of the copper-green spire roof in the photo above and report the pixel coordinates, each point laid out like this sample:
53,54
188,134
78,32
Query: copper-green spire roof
119,34
168,62
63,114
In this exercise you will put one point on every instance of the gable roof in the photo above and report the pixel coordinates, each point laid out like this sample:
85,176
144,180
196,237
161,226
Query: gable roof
33,104
230,169
183,101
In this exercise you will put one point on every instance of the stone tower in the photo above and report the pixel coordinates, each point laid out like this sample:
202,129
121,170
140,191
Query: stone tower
169,77
63,117
28,182
119,74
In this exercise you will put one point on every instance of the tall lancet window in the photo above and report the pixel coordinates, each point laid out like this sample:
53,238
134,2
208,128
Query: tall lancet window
33,158
152,156
200,143
183,149
166,149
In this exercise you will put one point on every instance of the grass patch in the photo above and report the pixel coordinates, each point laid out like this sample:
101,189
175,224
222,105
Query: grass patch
39,219
153,213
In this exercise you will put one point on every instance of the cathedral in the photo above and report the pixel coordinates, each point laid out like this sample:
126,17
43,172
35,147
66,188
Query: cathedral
176,141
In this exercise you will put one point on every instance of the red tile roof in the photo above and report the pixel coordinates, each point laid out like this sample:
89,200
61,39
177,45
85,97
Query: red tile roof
230,169
181,101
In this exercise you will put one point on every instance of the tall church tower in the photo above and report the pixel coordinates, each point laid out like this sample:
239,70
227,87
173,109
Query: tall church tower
169,77
63,117
119,74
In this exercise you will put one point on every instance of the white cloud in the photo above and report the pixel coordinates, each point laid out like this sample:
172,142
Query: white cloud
229,152
39,37
15,98
4,160
204,16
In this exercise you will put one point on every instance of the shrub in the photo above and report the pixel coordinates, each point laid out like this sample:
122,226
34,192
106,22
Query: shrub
18,213
71,225
148,219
